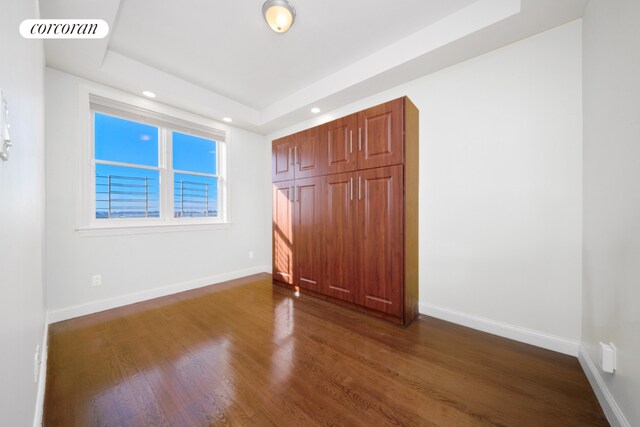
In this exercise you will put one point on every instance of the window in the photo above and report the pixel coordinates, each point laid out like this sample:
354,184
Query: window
154,169
127,171
195,180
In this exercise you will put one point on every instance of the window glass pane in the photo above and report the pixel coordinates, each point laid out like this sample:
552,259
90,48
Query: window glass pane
120,140
194,154
124,192
195,196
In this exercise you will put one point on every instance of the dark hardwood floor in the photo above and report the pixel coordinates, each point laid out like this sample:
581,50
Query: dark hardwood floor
248,353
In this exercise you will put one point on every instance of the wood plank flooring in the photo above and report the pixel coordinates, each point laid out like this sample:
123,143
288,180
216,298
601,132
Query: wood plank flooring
250,354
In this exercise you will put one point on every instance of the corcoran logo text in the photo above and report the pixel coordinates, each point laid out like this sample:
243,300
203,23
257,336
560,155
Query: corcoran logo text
64,29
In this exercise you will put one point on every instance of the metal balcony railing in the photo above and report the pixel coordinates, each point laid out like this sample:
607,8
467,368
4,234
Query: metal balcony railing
192,199
127,197
139,197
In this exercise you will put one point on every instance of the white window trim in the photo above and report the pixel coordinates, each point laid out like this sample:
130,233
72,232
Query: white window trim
159,115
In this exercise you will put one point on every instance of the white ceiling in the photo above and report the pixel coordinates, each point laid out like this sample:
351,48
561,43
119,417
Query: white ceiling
225,46
219,58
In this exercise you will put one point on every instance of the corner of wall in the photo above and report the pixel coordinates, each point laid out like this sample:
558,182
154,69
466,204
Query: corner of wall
505,330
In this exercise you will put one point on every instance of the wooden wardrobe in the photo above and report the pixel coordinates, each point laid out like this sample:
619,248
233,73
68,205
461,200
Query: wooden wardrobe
345,211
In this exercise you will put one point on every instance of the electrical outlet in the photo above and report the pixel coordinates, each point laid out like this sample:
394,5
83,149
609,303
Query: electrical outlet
250,254
96,280
36,364
608,357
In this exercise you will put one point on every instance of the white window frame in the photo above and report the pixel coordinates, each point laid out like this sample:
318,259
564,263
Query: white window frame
167,119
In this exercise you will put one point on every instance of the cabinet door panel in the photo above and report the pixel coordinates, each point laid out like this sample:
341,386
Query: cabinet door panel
380,239
380,132
339,144
283,250
282,159
339,242
308,233
307,154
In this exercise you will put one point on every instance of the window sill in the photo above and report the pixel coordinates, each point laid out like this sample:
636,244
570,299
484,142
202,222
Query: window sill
123,230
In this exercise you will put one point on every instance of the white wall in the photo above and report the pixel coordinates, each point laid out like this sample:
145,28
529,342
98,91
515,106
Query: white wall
500,188
140,264
611,270
22,212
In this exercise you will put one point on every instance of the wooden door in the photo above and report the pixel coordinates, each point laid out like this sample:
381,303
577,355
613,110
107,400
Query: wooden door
282,168
380,239
307,155
339,222
339,144
307,232
380,135
283,249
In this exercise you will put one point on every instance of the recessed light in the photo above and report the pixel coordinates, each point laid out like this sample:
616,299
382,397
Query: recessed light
315,110
227,119
148,94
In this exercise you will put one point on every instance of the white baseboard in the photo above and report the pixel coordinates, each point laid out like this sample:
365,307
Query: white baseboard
506,330
119,301
42,378
614,414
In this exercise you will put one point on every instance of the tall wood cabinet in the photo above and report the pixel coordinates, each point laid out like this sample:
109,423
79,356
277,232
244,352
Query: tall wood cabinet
345,211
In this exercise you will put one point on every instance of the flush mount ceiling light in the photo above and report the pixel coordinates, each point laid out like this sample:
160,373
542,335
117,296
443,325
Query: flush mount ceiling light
279,14
148,94
227,119
315,110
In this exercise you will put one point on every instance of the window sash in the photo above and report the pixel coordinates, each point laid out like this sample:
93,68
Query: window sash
217,144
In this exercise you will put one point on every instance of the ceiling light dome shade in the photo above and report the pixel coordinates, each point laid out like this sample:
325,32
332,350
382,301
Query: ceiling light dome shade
279,14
